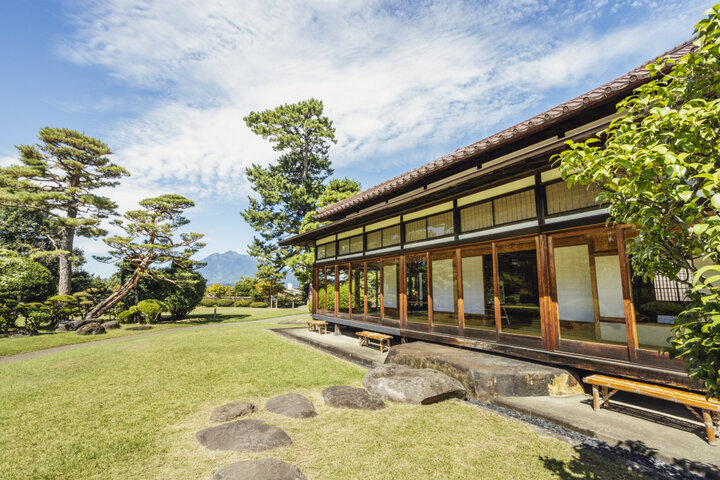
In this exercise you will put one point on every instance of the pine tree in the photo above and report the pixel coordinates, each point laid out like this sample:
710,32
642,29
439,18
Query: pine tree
288,189
60,177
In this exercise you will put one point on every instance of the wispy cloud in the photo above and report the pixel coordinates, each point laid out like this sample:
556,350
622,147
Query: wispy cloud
393,76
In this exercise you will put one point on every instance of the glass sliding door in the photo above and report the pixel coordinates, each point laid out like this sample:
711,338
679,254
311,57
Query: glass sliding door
357,291
391,292
588,293
326,292
443,290
478,292
518,289
416,284
343,286
374,289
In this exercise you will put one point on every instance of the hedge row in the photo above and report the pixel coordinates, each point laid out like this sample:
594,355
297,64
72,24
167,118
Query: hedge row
227,302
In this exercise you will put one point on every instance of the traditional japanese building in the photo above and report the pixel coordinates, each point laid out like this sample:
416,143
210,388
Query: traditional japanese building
487,248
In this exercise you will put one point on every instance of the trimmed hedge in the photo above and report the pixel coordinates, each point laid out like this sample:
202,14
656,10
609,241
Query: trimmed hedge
243,303
258,305
225,302
208,302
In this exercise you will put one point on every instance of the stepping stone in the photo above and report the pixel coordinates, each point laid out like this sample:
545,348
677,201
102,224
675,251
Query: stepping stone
265,469
351,397
231,411
292,405
244,436
400,383
140,327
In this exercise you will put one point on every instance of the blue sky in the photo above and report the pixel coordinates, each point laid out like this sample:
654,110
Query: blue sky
166,83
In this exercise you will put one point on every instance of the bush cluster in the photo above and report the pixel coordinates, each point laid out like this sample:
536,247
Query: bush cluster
225,302
208,302
258,305
243,303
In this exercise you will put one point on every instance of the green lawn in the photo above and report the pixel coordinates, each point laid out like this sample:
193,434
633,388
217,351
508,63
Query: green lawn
129,410
199,316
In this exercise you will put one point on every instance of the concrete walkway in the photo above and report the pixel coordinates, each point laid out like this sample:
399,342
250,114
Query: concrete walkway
343,345
49,351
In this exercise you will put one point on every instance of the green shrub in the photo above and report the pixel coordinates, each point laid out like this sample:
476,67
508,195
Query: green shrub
25,281
243,303
62,307
132,314
258,305
9,313
225,302
208,302
152,309
36,315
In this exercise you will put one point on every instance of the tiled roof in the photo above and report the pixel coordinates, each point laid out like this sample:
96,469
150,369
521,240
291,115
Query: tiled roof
588,100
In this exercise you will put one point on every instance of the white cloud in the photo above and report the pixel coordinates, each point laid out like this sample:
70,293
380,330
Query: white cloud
393,77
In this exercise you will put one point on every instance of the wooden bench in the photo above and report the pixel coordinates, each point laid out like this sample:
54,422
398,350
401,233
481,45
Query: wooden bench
605,387
319,326
365,336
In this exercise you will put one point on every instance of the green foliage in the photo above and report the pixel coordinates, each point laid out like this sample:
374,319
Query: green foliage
60,177
659,170
208,302
225,302
152,309
289,188
62,307
9,313
219,290
181,290
302,263
24,280
130,315
36,315
150,239
242,303
258,305
244,287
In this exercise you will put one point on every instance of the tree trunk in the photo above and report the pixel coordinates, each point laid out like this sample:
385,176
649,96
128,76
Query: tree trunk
122,292
65,265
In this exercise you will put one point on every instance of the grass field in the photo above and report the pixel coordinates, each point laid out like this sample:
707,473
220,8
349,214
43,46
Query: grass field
129,410
199,316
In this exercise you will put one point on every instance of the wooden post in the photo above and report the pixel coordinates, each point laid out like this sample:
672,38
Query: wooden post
496,290
337,289
627,294
596,398
460,293
428,283
709,427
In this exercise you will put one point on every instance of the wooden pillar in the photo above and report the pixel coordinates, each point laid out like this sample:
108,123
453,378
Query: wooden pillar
460,293
428,283
337,290
402,290
627,293
365,296
496,291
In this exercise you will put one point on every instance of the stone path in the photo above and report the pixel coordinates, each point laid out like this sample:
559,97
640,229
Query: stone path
256,435
49,351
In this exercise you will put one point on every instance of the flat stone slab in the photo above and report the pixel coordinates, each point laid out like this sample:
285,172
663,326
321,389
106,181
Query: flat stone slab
485,375
400,383
244,436
264,469
140,327
351,397
292,405
231,411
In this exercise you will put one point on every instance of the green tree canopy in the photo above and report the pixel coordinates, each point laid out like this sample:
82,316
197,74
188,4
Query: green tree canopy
60,177
151,239
658,167
289,188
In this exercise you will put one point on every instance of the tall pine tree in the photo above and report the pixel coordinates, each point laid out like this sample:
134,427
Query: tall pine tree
60,177
288,189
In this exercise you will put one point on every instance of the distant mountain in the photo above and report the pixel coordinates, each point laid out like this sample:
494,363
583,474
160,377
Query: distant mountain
228,267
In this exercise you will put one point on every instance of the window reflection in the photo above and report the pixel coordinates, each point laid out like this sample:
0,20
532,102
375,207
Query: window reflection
518,293
478,296
417,290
